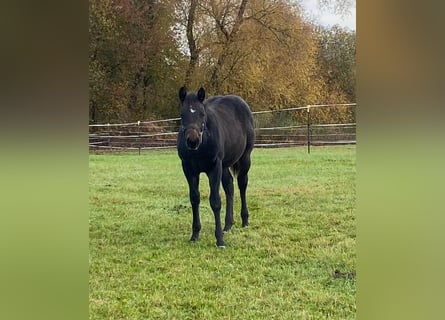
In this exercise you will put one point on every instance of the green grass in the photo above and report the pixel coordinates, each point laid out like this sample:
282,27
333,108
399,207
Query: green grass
302,229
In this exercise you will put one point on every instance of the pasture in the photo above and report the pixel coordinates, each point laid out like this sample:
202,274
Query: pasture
296,260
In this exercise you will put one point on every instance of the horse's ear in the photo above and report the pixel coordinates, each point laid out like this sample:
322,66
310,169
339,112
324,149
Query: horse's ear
201,94
182,93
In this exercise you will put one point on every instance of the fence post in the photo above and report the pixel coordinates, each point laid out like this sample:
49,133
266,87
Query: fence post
139,136
308,129
109,134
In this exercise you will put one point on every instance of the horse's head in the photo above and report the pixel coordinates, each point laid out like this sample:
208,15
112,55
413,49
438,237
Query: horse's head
193,117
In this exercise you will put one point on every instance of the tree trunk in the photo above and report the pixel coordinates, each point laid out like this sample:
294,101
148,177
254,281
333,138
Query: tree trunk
144,93
194,52
134,90
215,82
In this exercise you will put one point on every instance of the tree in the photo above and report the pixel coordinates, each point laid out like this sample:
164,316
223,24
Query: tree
133,59
226,38
337,6
142,51
194,51
102,65
336,58
222,15
280,69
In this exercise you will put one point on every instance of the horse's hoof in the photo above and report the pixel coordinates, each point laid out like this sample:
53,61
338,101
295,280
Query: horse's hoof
193,239
221,246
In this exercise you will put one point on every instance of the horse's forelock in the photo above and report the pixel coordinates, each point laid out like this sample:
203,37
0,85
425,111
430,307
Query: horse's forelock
192,103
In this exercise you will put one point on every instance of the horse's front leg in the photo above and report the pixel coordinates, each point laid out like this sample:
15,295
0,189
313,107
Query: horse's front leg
193,182
215,200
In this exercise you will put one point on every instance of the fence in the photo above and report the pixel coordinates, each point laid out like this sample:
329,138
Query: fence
299,126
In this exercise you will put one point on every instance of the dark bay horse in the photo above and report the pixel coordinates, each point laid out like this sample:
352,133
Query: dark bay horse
215,135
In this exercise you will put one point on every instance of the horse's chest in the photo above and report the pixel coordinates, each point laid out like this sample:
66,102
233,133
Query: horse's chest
199,162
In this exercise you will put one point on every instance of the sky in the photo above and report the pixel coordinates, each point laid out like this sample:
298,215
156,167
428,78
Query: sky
329,19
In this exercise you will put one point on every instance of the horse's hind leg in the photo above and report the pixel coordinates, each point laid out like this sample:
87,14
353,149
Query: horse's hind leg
243,179
227,182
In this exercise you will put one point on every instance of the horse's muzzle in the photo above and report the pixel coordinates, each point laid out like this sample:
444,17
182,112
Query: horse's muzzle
193,139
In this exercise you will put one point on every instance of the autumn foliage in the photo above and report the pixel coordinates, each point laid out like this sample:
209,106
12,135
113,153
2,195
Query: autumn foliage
142,51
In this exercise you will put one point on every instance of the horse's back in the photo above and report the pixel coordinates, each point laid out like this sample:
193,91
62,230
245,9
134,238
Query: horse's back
231,108
235,125
230,100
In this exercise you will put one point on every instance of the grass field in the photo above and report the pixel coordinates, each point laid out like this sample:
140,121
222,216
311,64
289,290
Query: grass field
302,229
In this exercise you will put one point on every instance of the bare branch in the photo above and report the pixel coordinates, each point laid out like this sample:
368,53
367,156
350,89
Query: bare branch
239,18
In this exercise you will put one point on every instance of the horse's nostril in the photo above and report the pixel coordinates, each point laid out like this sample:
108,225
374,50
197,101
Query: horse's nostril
192,143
